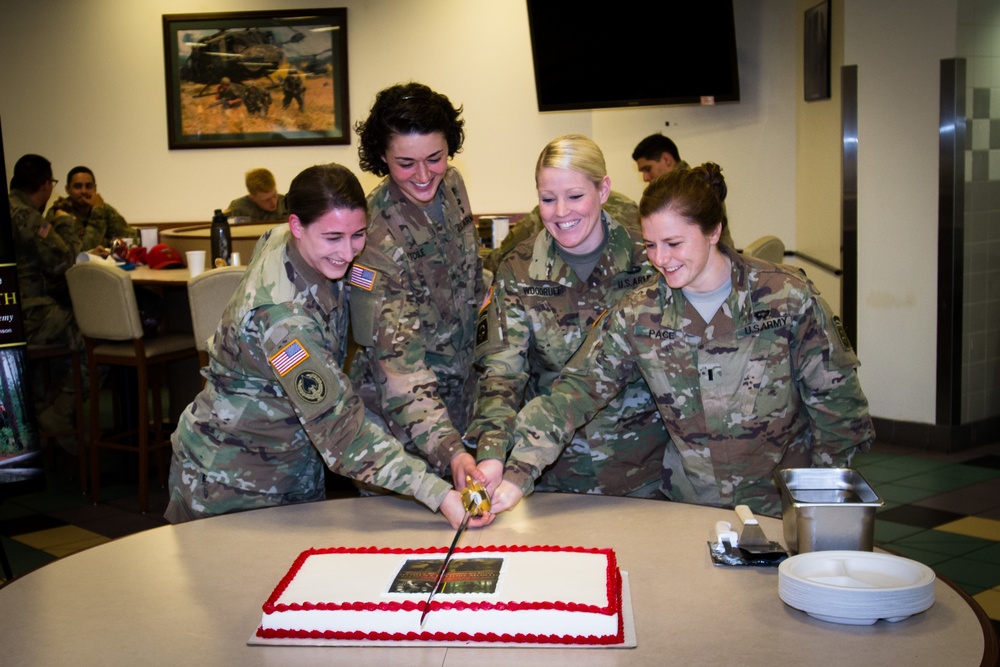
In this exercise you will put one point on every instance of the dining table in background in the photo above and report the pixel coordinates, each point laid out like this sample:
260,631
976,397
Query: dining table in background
192,593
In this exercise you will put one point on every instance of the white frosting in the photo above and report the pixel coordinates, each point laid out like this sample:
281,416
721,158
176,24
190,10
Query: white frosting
526,577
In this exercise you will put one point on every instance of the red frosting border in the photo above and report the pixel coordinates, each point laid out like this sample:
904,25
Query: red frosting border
613,583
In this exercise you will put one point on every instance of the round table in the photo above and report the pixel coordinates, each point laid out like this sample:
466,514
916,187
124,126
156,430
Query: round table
192,593
198,237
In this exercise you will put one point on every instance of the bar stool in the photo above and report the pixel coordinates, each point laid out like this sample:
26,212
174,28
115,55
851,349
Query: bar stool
42,355
106,311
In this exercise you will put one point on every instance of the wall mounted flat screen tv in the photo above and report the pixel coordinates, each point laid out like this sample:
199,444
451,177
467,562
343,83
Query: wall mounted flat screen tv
626,53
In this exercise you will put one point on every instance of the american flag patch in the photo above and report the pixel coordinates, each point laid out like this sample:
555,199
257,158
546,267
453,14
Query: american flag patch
487,299
363,277
289,357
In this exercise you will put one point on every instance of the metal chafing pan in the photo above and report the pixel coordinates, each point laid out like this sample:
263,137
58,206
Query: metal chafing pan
826,509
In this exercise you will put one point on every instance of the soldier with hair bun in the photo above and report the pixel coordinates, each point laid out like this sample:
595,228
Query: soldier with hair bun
751,370
276,406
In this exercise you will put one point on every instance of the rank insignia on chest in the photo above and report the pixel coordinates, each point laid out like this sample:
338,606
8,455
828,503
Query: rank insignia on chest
363,277
288,357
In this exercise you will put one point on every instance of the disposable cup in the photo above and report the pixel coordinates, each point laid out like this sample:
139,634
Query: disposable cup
195,261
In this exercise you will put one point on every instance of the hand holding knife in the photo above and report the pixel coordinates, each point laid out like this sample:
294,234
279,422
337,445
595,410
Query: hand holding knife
476,502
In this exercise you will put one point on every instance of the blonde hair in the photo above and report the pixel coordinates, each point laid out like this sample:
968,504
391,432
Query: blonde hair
260,181
575,152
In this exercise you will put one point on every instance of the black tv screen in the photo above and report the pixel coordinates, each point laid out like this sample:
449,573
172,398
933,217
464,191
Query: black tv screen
626,53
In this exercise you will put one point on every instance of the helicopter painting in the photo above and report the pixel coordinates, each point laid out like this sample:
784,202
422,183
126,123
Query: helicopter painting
237,54
233,78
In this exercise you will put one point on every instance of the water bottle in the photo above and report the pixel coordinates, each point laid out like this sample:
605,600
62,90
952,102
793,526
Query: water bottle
222,240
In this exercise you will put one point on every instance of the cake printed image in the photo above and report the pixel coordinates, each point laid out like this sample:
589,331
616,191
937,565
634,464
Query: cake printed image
497,594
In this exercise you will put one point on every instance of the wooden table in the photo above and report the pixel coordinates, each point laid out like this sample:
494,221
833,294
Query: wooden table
192,593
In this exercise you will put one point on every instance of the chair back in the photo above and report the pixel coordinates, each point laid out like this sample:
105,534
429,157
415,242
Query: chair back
103,301
768,248
209,294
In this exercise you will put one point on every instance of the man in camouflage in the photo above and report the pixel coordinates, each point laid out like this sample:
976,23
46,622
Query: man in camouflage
537,315
416,288
657,155
294,89
770,383
257,100
276,406
44,250
228,94
98,223
262,203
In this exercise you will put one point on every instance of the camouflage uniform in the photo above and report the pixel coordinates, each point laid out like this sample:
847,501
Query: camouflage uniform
537,316
41,269
294,89
770,383
100,226
275,401
418,285
618,206
247,208
257,100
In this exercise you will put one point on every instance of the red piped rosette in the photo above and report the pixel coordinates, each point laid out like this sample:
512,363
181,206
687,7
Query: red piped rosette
613,582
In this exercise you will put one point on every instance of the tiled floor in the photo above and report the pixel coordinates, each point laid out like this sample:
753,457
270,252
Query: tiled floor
942,510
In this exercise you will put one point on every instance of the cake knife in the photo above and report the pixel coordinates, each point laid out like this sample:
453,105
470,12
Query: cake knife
476,501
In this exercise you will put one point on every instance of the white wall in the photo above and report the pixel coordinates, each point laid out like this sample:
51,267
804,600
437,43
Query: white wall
84,83
898,110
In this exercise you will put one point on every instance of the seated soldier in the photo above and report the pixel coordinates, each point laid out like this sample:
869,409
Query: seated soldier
44,250
263,203
98,223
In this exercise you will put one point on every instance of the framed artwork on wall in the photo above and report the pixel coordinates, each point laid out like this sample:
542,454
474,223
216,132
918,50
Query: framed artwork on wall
265,78
817,52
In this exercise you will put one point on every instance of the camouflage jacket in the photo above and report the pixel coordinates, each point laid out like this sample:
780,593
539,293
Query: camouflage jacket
417,287
246,208
536,317
100,227
769,383
275,400
618,206
41,261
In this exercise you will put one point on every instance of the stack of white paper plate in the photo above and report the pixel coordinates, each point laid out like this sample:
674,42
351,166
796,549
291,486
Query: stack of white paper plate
855,587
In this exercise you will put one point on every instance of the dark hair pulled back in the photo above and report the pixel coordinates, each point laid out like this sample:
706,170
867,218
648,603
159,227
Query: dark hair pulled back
321,188
698,194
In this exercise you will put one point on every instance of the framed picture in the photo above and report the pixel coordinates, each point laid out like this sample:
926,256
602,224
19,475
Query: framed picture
817,52
266,78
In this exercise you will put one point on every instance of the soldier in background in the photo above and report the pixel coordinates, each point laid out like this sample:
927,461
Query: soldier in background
294,89
98,223
228,94
419,282
262,201
276,406
45,249
547,294
749,367
657,155
257,100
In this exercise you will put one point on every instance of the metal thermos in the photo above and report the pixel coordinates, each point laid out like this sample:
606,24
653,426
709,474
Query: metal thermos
222,240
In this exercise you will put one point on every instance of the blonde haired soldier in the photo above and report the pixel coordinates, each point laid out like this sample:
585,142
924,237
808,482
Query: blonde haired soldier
548,293
262,203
